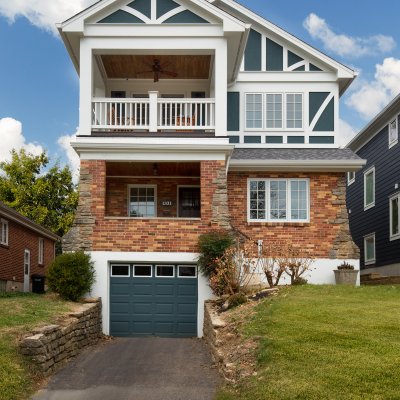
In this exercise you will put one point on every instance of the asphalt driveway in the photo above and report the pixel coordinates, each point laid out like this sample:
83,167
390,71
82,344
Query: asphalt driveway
137,368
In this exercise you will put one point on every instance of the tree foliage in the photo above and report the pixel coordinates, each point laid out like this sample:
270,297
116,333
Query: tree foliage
71,275
45,194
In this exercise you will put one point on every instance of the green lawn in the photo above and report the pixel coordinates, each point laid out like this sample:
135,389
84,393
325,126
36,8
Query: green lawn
325,342
18,314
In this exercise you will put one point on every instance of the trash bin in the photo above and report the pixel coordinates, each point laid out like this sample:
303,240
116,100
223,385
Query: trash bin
38,283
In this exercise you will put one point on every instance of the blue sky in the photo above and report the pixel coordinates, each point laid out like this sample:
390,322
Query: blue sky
39,86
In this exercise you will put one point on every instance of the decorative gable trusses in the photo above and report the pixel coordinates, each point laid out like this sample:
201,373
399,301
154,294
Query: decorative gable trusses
266,54
153,12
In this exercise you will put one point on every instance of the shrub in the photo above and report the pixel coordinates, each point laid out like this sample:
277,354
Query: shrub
237,299
300,281
71,275
212,246
345,265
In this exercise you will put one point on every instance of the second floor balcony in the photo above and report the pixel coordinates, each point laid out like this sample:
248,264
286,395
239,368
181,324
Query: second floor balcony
153,114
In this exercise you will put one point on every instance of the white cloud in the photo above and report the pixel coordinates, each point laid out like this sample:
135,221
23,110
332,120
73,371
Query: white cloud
42,13
65,143
372,96
344,45
11,137
346,133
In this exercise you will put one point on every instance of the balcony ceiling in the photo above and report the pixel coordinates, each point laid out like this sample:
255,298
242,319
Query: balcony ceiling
189,169
134,66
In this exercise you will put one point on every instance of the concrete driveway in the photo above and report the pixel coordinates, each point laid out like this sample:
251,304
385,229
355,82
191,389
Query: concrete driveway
137,368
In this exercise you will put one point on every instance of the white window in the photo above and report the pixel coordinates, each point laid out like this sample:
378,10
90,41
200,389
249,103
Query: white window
395,217
278,200
393,133
41,251
369,188
254,111
4,232
294,111
369,249
142,201
121,271
144,271
165,271
351,178
274,111
187,271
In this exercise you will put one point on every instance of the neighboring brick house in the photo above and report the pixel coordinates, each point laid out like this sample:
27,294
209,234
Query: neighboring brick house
373,193
199,115
26,249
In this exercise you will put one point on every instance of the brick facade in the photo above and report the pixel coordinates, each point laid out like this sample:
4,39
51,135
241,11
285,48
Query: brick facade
325,236
20,238
98,228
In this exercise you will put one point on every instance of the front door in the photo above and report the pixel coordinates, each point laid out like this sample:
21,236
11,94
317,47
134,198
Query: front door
27,268
189,202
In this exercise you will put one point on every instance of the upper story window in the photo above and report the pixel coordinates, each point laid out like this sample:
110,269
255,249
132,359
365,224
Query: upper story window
351,178
4,232
41,251
278,200
393,133
395,217
271,111
142,201
369,249
369,188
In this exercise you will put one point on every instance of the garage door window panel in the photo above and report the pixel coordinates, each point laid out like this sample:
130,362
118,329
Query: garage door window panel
120,271
165,271
142,271
187,271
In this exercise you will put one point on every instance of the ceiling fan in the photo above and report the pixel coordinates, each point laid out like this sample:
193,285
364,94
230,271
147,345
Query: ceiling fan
157,69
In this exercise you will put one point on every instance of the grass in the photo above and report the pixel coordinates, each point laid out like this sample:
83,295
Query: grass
19,313
325,342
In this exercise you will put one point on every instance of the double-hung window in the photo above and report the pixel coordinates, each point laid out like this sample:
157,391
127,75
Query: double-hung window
369,249
273,111
4,232
41,251
278,200
351,178
395,217
142,201
369,188
393,132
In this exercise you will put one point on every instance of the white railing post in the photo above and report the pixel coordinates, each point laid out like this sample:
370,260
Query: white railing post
153,111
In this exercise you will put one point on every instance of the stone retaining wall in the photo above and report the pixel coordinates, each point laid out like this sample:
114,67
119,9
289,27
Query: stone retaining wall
50,346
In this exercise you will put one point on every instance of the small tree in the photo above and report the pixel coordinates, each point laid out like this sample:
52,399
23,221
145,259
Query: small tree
212,246
267,262
71,275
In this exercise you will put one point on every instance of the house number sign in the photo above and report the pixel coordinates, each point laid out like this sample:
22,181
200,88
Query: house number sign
167,203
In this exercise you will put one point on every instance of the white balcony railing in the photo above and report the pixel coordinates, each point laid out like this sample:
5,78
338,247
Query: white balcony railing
153,114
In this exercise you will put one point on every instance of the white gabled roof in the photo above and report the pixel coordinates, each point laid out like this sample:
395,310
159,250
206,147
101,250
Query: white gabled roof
240,11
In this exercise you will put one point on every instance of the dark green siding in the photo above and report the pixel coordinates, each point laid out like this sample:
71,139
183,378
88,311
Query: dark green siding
322,140
301,68
274,139
164,6
252,55
233,111
314,68
252,139
121,17
274,56
153,307
185,17
143,6
316,100
234,139
326,122
293,58
295,139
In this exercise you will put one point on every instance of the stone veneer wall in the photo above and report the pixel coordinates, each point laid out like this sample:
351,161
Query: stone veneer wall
327,235
52,345
94,230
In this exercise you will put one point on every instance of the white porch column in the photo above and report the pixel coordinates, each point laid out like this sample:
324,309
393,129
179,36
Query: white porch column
153,111
86,89
221,87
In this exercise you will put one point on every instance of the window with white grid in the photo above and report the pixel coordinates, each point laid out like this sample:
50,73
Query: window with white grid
254,111
142,201
274,109
294,111
4,232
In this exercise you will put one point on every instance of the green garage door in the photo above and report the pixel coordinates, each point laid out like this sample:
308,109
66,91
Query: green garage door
159,300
